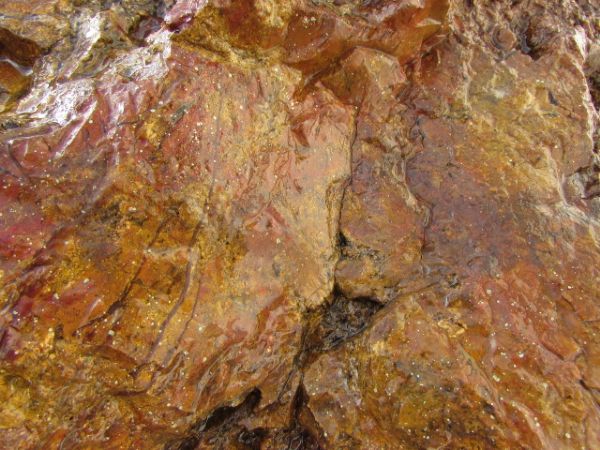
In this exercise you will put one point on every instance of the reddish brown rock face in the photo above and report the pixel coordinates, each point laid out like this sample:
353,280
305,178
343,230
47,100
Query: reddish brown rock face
299,224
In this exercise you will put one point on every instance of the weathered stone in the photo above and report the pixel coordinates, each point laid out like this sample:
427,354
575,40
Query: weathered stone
489,342
299,224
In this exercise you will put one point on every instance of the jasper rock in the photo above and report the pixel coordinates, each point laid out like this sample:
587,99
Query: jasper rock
175,262
487,342
303,224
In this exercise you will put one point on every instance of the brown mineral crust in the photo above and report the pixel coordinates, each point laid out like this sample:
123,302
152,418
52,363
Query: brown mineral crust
315,36
507,271
187,268
305,224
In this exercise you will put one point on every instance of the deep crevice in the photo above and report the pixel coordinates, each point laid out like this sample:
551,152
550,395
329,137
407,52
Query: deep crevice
335,322
302,434
593,80
217,424
342,241
222,428
532,39
590,179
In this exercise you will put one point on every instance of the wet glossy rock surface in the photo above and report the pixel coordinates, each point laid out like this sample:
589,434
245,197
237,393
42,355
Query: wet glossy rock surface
299,224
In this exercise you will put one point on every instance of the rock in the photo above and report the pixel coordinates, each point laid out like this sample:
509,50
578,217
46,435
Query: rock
475,347
306,224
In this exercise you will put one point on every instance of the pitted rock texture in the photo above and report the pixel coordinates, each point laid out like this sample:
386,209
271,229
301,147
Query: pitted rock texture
268,224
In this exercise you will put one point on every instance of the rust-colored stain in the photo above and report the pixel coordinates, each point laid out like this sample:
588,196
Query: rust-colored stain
303,224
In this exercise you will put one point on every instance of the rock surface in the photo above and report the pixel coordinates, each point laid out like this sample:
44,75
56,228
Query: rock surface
264,224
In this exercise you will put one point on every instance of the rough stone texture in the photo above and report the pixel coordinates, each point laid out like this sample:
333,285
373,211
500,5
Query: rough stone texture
299,224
